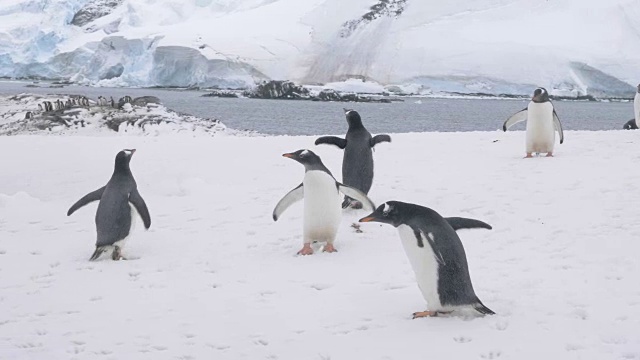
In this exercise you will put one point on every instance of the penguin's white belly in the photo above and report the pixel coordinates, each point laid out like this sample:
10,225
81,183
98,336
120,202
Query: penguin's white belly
322,211
636,108
540,130
424,264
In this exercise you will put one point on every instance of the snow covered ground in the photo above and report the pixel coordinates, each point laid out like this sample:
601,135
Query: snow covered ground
216,278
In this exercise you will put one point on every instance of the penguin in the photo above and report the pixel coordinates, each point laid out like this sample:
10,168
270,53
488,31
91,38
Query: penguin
114,217
113,103
636,105
436,256
39,107
630,125
320,190
28,115
357,162
541,120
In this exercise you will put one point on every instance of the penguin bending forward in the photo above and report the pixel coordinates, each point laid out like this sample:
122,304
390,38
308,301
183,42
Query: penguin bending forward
436,255
357,163
114,217
541,120
320,190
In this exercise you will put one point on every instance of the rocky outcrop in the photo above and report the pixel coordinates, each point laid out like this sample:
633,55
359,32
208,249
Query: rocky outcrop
93,10
277,89
389,8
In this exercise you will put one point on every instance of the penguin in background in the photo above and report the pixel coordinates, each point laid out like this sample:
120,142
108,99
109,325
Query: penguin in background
541,120
115,214
357,162
633,123
436,255
320,191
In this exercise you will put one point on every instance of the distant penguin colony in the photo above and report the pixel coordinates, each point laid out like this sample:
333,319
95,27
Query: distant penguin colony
115,214
541,120
320,191
357,163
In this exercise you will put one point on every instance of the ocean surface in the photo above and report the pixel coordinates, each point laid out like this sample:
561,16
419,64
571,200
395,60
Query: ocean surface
295,117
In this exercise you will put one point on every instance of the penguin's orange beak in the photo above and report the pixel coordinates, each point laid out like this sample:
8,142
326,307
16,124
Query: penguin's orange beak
288,155
367,219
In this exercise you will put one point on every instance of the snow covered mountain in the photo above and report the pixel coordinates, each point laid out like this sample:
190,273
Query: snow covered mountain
573,47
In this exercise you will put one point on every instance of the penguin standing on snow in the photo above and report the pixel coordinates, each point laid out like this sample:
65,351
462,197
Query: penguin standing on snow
541,120
633,123
320,190
114,218
436,255
357,163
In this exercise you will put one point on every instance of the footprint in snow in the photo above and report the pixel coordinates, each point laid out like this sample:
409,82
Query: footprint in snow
462,339
491,355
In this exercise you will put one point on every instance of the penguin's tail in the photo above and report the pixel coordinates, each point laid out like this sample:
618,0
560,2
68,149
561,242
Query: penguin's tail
479,307
96,254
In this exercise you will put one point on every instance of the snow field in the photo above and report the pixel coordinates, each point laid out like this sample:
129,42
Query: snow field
215,277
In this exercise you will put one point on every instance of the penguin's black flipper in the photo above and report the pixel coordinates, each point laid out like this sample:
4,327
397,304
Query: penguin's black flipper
479,307
458,223
380,138
332,140
90,197
141,207
630,125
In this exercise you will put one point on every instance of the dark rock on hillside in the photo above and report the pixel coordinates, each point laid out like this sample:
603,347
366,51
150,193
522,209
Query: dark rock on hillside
93,10
389,8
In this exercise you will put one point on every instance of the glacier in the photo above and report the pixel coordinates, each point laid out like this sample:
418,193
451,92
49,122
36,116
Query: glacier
572,47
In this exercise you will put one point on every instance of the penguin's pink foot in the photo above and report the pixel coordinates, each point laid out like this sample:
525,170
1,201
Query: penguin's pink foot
421,314
329,248
550,154
117,254
306,250
528,156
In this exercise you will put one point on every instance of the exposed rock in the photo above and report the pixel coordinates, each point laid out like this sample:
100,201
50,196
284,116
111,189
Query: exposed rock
145,100
389,8
277,89
93,10
221,94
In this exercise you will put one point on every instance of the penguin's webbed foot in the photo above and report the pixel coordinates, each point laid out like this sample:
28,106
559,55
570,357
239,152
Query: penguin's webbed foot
421,314
117,254
529,155
306,250
329,248
549,154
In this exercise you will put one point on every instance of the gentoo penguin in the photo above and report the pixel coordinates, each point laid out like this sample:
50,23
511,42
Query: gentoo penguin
541,120
320,190
436,256
636,106
630,125
114,218
357,163
39,107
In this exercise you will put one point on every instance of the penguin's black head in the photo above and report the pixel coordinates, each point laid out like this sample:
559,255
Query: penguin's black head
388,213
353,118
304,157
540,95
123,158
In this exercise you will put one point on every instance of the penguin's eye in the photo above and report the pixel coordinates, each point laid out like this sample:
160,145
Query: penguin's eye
386,210
304,153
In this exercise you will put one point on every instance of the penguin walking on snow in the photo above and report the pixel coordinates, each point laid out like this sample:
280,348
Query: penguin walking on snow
114,218
320,191
436,255
541,120
357,163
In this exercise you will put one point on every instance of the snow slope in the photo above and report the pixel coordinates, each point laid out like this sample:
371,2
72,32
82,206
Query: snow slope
495,46
216,278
